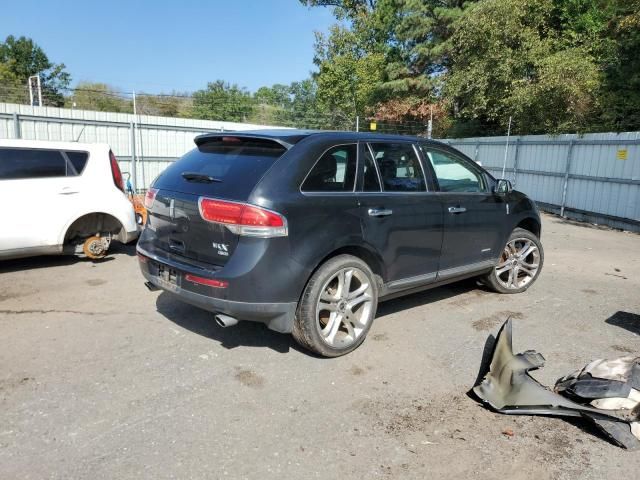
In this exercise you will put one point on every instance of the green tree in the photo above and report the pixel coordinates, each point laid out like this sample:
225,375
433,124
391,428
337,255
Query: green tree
272,105
620,95
10,88
345,8
349,74
98,96
409,33
222,101
551,64
507,60
306,111
23,58
395,41
420,56
277,95
166,105
293,105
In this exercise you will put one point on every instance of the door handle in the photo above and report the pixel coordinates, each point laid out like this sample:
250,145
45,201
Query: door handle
379,212
457,209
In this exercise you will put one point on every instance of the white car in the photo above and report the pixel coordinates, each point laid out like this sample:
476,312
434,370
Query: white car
61,197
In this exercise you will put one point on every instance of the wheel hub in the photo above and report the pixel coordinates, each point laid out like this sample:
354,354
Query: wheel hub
345,307
519,263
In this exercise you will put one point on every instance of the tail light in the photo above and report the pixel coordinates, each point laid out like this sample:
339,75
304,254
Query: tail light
115,171
243,219
150,197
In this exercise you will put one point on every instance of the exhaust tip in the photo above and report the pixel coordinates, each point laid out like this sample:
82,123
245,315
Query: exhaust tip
151,286
225,320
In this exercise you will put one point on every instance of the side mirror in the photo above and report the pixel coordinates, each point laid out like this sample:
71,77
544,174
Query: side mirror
503,187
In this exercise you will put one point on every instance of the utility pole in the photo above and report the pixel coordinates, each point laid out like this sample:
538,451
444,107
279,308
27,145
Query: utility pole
135,112
357,123
430,124
134,169
31,84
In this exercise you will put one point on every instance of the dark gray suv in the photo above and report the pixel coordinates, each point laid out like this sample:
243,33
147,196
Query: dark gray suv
306,231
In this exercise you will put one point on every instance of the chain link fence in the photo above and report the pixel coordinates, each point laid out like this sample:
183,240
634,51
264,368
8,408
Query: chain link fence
595,177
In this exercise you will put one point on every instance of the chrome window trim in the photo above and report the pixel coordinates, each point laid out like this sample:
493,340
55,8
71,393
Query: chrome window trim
398,193
409,281
464,269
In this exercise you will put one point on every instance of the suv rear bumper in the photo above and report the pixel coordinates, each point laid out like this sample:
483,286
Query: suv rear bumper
277,316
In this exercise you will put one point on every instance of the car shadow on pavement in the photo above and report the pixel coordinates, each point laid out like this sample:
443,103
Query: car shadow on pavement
628,321
426,297
253,334
47,261
245,334
123,248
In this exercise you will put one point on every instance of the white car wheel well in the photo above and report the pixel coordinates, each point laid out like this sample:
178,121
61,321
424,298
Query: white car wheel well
94,223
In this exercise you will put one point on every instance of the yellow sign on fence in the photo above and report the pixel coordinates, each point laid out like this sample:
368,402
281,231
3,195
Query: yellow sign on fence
373,126
622,154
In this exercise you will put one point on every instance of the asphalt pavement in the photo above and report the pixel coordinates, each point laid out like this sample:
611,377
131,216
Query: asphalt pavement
100,378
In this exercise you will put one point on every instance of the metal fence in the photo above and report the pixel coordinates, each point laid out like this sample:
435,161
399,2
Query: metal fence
153,141
594,178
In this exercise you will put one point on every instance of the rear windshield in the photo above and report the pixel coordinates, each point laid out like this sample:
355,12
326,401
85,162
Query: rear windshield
233,165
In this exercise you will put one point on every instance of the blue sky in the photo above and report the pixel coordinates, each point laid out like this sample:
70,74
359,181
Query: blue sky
162,45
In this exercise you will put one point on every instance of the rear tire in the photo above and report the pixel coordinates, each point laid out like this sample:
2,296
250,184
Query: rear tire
520,264
337,307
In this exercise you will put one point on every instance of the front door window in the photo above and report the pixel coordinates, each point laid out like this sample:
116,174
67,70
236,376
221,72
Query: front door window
453,174
399,167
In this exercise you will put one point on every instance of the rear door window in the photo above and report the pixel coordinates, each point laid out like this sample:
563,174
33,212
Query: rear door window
335,171
78,160
399,167
23,163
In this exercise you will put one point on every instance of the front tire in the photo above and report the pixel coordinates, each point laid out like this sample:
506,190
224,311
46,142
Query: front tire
519,265
337,307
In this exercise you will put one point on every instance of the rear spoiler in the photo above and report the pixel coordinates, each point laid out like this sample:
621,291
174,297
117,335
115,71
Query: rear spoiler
286,141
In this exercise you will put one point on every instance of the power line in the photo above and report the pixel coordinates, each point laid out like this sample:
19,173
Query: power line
250,111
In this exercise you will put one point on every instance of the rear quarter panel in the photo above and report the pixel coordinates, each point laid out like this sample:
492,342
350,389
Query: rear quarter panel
319,223
97,193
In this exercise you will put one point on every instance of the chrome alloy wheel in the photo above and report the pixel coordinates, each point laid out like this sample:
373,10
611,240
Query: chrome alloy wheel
518,264
345,307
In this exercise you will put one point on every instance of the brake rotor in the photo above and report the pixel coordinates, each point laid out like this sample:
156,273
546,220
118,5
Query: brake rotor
94,247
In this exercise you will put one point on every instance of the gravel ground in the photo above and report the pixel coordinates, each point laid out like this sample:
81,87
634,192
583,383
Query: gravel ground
100,378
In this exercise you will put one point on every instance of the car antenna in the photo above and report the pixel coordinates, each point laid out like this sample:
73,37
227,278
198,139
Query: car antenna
80,134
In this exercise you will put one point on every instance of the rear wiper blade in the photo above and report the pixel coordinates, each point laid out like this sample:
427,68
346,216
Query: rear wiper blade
199,177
